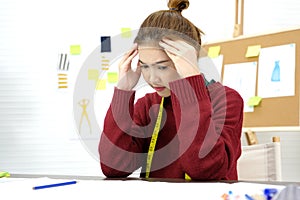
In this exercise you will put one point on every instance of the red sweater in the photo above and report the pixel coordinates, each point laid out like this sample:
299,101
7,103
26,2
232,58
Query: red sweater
200,132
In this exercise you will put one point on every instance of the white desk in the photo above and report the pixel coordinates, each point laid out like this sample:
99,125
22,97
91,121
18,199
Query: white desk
88,188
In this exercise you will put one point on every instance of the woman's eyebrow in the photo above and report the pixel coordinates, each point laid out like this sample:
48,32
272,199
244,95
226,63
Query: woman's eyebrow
158,62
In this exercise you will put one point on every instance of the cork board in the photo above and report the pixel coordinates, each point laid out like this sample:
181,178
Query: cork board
271,112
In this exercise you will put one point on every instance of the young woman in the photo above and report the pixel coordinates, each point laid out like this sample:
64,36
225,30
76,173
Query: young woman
190,127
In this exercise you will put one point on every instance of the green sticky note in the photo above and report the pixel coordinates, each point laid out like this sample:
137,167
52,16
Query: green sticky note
112,77
253,51
254,101
75,49
4,174
126,32
93,74
214,52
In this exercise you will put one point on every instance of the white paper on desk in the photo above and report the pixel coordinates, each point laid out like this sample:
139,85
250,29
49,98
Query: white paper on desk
242,78
276,71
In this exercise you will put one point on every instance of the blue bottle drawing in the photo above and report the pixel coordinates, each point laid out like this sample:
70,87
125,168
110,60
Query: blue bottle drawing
276,72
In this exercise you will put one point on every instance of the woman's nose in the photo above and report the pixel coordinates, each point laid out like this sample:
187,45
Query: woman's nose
153,76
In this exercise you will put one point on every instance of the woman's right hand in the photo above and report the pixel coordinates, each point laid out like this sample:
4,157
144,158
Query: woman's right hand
127,77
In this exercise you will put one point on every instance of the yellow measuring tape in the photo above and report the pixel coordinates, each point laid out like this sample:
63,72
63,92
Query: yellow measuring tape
154,138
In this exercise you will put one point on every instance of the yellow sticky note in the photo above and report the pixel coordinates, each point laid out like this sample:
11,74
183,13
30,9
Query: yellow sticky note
214,52
75,49
254,101
101,84
126,32
4,174
112,77
93,74
253,51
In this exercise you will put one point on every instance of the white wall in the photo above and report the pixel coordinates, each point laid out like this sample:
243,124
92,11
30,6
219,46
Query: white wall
38,133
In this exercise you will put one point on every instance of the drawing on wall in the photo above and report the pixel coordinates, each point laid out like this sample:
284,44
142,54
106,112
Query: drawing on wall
104,63
105,44
63,68
83,103
242,78
276,71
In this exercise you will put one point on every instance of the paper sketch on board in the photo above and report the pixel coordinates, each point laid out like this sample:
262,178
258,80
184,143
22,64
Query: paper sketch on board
276,71
242,78
211,67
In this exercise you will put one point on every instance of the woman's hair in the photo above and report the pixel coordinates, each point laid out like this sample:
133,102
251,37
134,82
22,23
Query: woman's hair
169,23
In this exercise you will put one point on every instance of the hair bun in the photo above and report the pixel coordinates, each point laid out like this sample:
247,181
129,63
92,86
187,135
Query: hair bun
178,5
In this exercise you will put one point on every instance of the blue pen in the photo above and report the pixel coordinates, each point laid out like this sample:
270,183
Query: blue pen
54,185
248,197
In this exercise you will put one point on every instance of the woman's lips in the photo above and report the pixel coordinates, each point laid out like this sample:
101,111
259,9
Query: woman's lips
159,89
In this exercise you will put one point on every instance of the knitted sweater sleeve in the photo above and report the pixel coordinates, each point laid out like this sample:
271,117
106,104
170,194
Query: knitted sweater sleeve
117,148
121,146
209,123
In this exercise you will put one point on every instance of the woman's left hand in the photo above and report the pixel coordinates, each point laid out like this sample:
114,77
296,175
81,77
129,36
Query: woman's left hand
183,55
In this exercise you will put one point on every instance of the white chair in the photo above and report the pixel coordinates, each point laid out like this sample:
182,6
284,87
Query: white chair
260,162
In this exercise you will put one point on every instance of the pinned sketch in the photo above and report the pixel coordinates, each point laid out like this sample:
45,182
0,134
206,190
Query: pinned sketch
211,67
105,44
242,78
84,104
276,72
104,63
63,68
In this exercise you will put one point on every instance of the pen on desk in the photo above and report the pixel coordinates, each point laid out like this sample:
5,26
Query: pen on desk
248,197
54,185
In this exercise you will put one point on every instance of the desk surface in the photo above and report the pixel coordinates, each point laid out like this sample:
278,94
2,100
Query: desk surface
141,179
93,187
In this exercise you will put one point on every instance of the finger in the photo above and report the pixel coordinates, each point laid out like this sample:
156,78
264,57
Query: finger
177,44
133,48
168,48
127,59
130,58
129,53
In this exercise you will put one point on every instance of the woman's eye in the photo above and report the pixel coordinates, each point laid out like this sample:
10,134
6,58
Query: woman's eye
162,67
144,66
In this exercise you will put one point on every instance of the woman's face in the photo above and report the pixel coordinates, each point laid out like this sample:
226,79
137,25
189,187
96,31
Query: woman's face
158,69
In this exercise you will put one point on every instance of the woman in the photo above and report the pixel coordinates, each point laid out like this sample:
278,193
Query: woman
189,128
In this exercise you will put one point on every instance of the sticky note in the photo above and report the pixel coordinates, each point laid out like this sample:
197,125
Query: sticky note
75,49
253,51
112,77
105,44
126,32
101,84
254,101
214,52
93,74
4,174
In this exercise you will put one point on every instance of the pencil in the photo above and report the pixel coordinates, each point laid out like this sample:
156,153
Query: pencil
54,185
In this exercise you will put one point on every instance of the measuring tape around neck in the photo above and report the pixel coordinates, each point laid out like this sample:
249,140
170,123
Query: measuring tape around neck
154,138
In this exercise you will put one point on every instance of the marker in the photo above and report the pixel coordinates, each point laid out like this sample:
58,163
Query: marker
54,185
270,193
248,197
